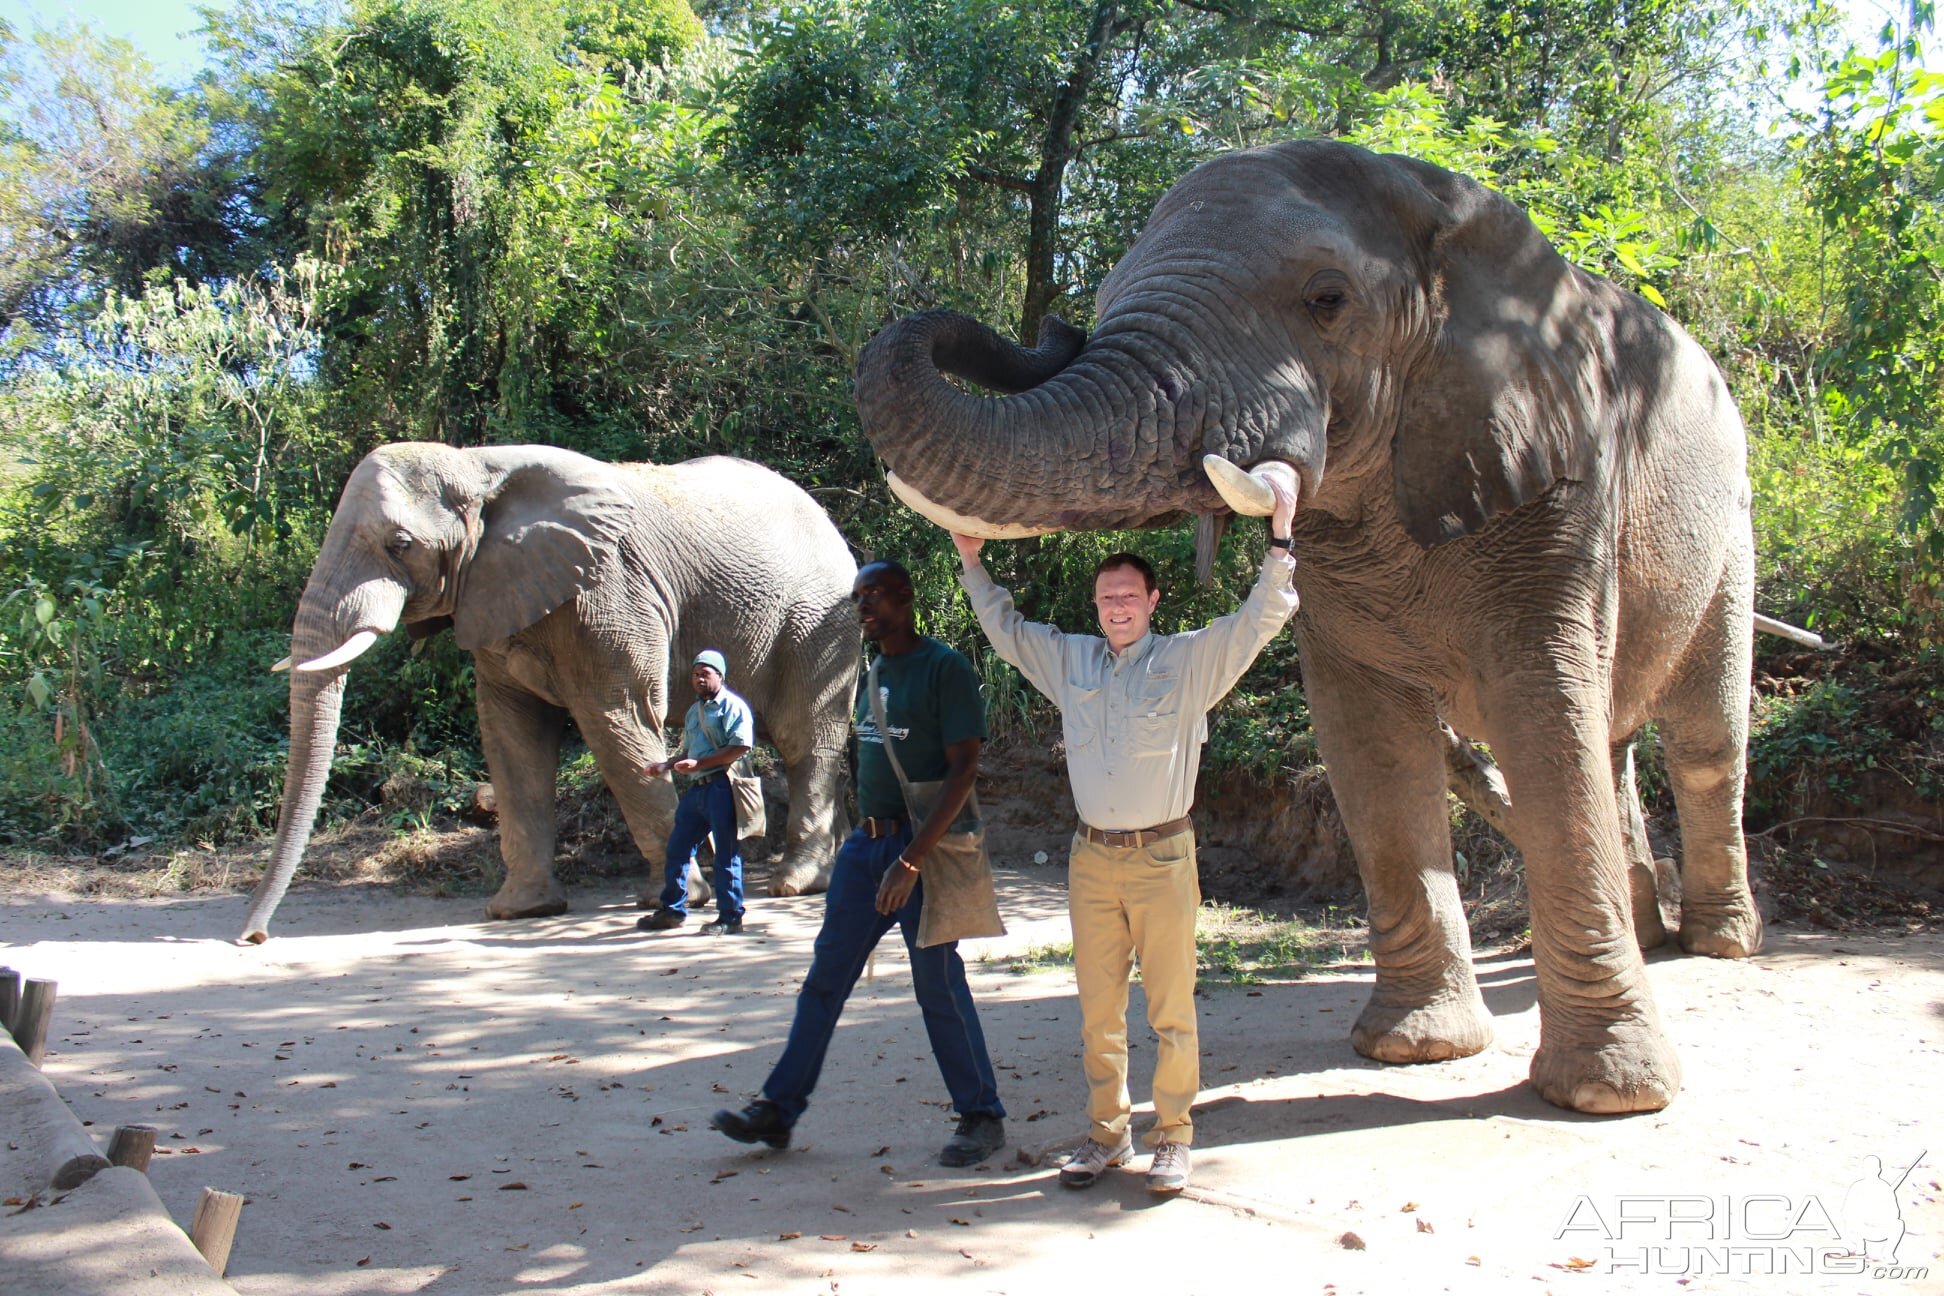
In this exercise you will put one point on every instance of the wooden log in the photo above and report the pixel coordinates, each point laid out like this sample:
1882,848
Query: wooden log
30,1024
9,998
132,1146
214,1228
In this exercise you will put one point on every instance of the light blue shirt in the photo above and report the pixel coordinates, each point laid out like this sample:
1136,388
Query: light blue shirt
724,720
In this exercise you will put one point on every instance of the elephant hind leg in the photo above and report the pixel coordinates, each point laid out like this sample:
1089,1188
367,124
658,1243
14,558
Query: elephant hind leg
1706,752
1703,721
624,742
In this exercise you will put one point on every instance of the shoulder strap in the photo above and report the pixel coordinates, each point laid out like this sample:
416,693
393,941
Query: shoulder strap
884,731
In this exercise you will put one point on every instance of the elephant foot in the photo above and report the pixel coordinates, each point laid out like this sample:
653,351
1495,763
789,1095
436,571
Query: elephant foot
799,876
529,901
1732,930
1435,1032
1633,1070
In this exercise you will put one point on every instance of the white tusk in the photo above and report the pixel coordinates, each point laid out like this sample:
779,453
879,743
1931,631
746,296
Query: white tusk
960,522
348,651
283,665
1244,491
1783,630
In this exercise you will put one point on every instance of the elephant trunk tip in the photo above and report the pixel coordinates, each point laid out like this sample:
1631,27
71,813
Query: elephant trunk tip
255,936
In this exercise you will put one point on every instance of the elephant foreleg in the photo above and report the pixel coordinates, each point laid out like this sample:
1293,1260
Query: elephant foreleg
521,734
1387,767
1601,1047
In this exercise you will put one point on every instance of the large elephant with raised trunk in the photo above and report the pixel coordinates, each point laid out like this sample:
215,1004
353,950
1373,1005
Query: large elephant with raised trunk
575,584
1524,518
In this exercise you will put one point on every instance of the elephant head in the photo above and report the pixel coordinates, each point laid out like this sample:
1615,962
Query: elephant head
486,541
1307,308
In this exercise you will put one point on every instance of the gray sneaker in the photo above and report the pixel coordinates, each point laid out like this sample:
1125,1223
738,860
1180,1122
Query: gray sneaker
1168,1172
1092,1158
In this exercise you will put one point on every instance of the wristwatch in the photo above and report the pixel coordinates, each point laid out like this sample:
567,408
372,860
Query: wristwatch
1282,542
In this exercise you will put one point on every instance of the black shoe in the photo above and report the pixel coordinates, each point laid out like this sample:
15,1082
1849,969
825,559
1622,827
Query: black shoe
979,1136
723,927
661,920
760,1122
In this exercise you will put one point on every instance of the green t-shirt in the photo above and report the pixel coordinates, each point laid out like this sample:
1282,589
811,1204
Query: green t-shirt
931,700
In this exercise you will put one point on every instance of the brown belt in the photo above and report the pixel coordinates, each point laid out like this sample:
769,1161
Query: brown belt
1134,838
880,827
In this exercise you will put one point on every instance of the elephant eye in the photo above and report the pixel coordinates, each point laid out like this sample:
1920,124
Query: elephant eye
398,544
1326,297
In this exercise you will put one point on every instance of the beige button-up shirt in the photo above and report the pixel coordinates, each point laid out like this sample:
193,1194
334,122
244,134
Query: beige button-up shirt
1135,721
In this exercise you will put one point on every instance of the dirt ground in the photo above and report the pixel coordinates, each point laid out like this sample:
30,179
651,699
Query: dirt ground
417,1100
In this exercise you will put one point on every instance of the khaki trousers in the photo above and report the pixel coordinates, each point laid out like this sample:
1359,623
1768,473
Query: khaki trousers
1127,902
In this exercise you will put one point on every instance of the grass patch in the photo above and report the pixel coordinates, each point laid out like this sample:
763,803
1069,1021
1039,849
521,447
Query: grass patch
1240,946
1235,945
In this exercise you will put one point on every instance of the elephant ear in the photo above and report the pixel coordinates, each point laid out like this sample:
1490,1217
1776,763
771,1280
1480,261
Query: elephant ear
543,534
1512,395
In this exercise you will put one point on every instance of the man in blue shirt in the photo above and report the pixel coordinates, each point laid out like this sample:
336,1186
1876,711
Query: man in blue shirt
718,732
932,709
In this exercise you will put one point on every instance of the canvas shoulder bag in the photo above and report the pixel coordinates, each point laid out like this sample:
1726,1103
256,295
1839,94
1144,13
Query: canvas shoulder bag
959,900
745,788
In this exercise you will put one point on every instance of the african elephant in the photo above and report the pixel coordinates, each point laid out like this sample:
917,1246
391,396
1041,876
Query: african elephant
574,584
1525,514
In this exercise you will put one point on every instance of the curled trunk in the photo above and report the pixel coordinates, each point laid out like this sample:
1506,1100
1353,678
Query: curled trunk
1088,437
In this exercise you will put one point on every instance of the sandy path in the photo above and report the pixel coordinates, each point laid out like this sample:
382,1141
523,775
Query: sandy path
416,1100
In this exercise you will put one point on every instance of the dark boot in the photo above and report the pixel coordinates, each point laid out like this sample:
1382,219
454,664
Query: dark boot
979,1136
760,1122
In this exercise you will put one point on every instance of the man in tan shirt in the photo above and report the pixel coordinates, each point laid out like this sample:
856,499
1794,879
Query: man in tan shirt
1134,710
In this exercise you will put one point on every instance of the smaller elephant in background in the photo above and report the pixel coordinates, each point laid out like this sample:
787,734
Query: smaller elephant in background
575,584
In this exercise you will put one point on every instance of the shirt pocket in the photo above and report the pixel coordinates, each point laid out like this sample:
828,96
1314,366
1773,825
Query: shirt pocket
1154,717
1080,717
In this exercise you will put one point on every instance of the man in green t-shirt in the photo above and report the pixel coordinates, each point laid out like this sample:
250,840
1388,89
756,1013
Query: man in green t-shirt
930,696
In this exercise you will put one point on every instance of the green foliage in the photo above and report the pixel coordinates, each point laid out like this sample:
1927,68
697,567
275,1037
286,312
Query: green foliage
1814,749
1872,162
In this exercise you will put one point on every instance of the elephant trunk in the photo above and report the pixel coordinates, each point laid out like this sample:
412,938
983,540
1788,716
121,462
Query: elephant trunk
1090,437
315,703
328,625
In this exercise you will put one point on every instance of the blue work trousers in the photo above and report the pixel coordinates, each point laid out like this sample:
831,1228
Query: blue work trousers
852,927
705,810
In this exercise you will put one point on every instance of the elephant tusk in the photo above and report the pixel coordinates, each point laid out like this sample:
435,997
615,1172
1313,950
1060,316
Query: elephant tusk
348,651
960,522
283,665
1783,630
1246,491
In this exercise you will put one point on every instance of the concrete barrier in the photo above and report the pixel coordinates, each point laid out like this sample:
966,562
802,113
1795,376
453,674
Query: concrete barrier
46,1147
71,1223
108,1237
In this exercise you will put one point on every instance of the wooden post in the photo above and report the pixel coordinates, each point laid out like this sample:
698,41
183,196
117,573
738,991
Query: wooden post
30,1024
9,998
214,1227
132,1146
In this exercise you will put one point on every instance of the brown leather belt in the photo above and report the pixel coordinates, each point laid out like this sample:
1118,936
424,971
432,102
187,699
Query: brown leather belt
1134,838
880,827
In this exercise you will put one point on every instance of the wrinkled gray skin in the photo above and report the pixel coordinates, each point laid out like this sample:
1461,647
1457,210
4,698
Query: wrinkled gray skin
577,585
1525,514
